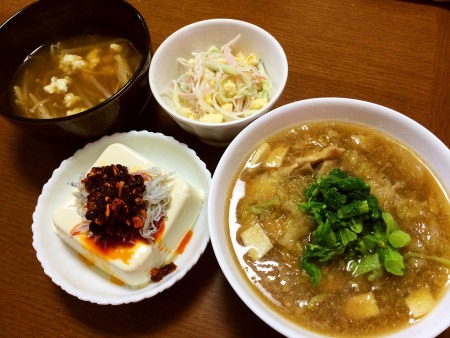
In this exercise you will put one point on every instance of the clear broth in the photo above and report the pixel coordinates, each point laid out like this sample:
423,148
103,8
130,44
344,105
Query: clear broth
72,75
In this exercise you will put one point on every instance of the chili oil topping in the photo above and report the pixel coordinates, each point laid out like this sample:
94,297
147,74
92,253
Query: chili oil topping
119,206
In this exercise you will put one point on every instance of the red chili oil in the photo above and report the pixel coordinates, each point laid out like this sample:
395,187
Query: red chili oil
184,242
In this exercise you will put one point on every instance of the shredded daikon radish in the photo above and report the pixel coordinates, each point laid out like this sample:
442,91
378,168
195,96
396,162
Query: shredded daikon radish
123,70
20,99
39,106
89,47
219,82
54,51
79,91
97,85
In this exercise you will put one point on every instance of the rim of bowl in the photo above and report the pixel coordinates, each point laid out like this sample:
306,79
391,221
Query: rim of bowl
205,23
234,276
135,75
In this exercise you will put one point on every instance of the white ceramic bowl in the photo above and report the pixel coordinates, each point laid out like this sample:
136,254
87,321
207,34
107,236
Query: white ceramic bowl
199,37
407,131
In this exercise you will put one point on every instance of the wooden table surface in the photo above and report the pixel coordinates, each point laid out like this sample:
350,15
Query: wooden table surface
394,53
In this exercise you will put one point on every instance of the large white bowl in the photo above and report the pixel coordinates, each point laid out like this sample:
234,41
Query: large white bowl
199,37
405,130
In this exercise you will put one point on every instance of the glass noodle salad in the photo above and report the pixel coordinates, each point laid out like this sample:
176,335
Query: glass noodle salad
219,86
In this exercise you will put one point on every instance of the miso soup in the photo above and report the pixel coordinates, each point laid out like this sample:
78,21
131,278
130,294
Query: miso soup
271,234
73,74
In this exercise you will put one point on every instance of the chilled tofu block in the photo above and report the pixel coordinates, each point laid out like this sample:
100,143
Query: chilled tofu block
132,264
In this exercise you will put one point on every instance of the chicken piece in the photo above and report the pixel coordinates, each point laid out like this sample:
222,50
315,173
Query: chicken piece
306,169
327,166
304,164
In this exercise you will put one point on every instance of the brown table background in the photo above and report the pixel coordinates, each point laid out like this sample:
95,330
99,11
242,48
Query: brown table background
394,53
